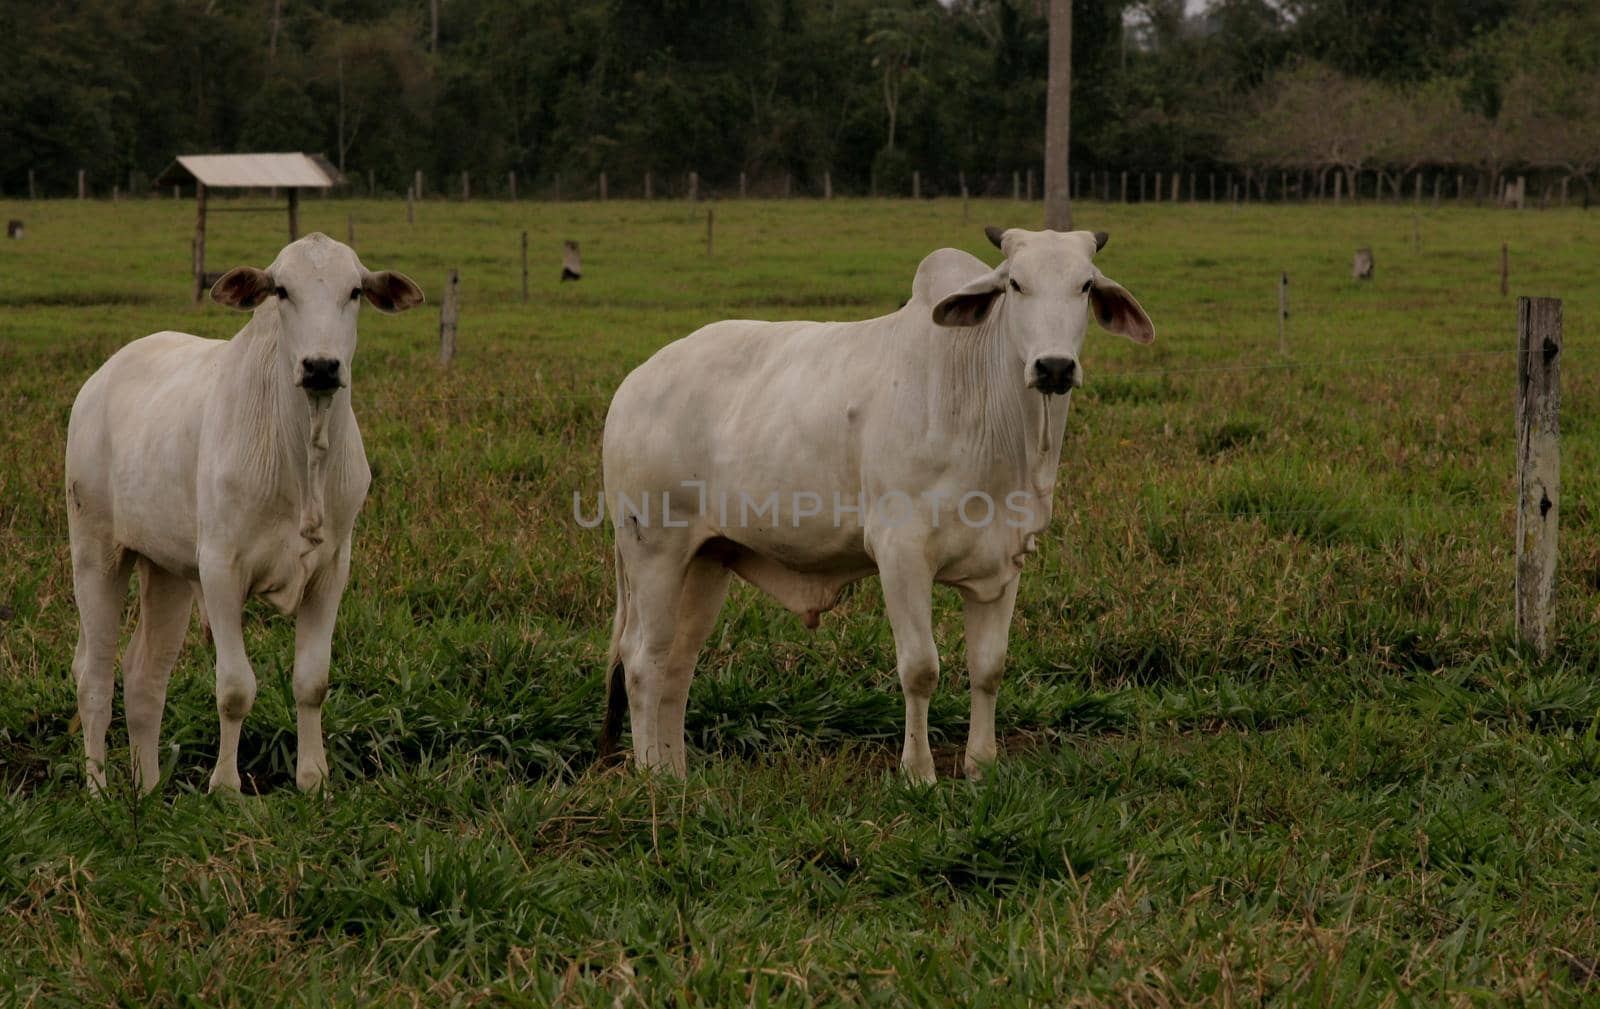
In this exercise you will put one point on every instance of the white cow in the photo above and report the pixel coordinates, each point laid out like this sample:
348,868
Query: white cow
232,465
921,446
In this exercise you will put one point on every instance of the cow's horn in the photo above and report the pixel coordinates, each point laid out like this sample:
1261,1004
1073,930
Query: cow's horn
1100,240
995,234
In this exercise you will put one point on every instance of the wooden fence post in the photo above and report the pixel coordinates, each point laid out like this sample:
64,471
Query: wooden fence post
649,186
83,187
511,179
1124,186
1538,465
524,267
1338,187
466,186
744,185
448,311
1016,185
1505,269
1283,312
198,245
603,194
1141,187
1177,186
916,183
416,184
827,185
694,186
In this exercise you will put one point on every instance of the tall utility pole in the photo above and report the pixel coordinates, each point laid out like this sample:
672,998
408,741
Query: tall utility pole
1058,120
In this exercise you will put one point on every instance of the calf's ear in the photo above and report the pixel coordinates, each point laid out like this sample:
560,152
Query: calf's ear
971,304
243,287
1116,310
391,292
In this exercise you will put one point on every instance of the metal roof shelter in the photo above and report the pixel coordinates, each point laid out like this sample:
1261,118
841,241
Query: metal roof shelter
292,172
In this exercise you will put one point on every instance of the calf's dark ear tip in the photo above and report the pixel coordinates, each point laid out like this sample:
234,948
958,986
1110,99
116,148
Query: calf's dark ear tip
1100,240
994,234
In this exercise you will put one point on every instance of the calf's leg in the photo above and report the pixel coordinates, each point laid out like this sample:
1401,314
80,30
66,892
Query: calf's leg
705,586
908,598
236,681
988,632
313,649
100,587
164,601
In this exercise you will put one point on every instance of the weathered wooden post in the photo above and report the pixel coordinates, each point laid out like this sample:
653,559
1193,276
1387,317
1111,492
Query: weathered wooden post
1283,312
1418,197
916,184
788,184
1177,186
83,184
511,184
1338,188
1505,269
294,213
524,267
466,187
710,219
1142,197
199,243
116,194
1538,465
827,185
1124,186
694,186
649,186
744,185
448,310
177,192
603,194
1564,191
1016,185
416,183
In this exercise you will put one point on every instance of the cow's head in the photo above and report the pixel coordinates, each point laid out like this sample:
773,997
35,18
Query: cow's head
1040,299
317,285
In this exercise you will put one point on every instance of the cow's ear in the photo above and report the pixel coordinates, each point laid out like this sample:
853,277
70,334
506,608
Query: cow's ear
971,304
1115,309
243,287
391,292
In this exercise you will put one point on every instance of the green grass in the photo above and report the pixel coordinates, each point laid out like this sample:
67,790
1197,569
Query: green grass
1269,737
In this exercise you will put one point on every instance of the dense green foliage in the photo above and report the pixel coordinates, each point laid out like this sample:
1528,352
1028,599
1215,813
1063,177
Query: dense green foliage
1268,739
865,89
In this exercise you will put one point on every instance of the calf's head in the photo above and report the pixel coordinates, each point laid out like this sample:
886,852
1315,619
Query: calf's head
1039,300
317,285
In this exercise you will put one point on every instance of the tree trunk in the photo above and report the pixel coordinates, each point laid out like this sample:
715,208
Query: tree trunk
1058,120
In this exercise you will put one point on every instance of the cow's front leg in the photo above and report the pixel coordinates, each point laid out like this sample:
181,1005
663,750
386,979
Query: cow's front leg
313,649
908,598
236,681
988,632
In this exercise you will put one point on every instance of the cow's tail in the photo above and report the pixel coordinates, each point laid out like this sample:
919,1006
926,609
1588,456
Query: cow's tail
616,676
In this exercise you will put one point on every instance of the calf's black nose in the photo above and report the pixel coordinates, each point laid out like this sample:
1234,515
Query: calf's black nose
319,374
1055,375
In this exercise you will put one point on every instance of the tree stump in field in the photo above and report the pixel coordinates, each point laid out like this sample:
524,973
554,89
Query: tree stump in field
14,228
571,264
1361,266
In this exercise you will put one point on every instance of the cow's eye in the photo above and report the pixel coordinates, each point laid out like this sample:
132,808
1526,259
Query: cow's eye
355,293
1087,284
282,294
1016,286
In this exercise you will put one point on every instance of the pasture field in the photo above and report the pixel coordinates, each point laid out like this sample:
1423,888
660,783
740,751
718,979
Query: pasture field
1267,734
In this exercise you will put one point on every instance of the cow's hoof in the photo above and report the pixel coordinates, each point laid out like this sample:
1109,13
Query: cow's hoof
311,779
223,784
919,775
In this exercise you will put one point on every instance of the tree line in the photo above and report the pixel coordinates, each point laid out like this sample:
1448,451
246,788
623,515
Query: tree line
867,91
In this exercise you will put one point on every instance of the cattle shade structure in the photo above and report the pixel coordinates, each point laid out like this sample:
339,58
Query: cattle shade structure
290,172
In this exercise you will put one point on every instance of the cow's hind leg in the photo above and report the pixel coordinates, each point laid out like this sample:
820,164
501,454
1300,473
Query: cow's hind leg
100,587
705,586
164,602
988,632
